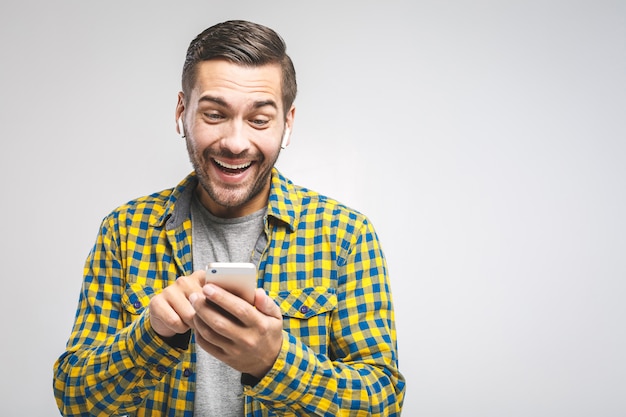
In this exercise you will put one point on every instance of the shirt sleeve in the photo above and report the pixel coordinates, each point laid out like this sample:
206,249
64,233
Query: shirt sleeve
110,362
359,376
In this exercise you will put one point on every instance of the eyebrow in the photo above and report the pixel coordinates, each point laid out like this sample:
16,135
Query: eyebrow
212,99
263,103
221,102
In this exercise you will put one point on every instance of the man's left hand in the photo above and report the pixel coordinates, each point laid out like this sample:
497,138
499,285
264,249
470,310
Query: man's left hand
245,337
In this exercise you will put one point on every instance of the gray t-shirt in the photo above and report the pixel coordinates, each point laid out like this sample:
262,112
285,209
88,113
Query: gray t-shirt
219,392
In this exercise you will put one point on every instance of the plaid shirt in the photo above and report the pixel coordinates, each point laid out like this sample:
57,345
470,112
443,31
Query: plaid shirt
321,263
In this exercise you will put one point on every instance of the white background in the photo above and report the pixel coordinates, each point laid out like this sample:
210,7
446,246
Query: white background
484,139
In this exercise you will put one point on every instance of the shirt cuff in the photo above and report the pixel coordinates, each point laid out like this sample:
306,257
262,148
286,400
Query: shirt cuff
289,379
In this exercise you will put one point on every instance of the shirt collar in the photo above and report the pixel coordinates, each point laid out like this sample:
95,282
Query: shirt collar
284,203
178,203
284,200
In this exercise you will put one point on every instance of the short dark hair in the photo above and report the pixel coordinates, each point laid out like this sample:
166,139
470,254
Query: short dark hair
244,43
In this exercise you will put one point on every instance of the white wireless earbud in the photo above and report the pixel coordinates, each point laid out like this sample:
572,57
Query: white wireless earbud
181,128
283,144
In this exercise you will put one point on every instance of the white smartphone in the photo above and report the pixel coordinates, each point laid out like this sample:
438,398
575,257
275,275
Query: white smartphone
238,278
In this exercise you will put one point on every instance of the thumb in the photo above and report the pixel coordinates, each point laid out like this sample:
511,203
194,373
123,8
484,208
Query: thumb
266,305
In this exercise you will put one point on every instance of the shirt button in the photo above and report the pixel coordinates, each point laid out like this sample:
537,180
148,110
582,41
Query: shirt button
187,372
160,369
304,309
137,304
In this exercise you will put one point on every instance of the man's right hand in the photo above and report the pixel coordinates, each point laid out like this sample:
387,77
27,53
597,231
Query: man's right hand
171,312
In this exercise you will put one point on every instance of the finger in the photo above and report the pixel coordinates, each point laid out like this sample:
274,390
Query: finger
191,283
208,335
170,310
214,350
266,305
200,276
212,322
228,301
179,302
165,319
194,297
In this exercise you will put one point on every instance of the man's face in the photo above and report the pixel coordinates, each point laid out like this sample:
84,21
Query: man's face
234,124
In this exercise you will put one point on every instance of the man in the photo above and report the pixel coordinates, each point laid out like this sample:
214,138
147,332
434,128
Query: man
150,338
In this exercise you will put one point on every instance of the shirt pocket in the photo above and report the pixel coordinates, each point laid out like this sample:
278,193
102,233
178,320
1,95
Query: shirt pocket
135,299
307,314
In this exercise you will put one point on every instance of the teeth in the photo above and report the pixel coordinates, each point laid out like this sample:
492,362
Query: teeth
229,166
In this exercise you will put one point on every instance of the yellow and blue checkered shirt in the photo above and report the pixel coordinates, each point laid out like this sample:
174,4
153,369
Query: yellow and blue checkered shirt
322,264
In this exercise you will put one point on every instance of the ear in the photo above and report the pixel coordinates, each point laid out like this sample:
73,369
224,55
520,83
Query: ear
179,114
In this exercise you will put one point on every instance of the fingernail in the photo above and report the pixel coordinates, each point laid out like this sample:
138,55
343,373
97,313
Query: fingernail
209,290
193,297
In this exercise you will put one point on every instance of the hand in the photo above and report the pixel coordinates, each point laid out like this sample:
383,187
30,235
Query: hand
170,310
245,337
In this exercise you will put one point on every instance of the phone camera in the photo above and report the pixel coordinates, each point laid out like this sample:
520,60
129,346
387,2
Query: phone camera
214,271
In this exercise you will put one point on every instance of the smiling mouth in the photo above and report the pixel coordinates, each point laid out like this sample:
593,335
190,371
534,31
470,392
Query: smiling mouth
230,168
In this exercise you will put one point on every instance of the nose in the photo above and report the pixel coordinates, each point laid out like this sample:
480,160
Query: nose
235,139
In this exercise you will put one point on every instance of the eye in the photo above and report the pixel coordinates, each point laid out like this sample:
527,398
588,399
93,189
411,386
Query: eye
214,117
259,122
